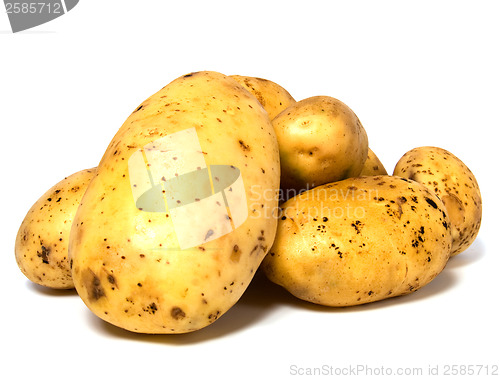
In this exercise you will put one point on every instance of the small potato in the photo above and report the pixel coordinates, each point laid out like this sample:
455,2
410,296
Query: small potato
373,166
271,96
321,140
359,240
450,179
42,241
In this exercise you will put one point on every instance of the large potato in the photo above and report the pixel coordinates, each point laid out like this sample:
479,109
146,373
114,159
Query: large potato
321,140
42,240
372,166
449,178
359,240
176,221
272,96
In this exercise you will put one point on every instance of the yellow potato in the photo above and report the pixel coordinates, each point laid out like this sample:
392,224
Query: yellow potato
372,166
178,218
450,179
321,140
359,240
42,240
272,96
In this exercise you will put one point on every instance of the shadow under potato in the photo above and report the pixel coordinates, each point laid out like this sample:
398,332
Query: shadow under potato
260,301
263,298
474,253
46,291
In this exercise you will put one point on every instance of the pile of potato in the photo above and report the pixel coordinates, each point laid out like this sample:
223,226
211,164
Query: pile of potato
337,230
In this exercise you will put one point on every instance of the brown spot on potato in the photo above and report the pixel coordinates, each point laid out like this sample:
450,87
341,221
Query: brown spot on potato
236,254
400,200
244,146
93,285
431,202
214,316
177,313
153,307
357,226
44,254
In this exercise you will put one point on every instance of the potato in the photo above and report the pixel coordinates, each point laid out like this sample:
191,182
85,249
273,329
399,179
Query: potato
42,240
372,166
272,96
321,140
178,218
359,240
452,181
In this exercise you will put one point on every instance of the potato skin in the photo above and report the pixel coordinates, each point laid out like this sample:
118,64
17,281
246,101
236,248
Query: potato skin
372,166
272,96
454,183
42,240
321,140
359,240
127,265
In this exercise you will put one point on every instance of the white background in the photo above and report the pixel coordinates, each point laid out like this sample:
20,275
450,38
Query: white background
416,73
